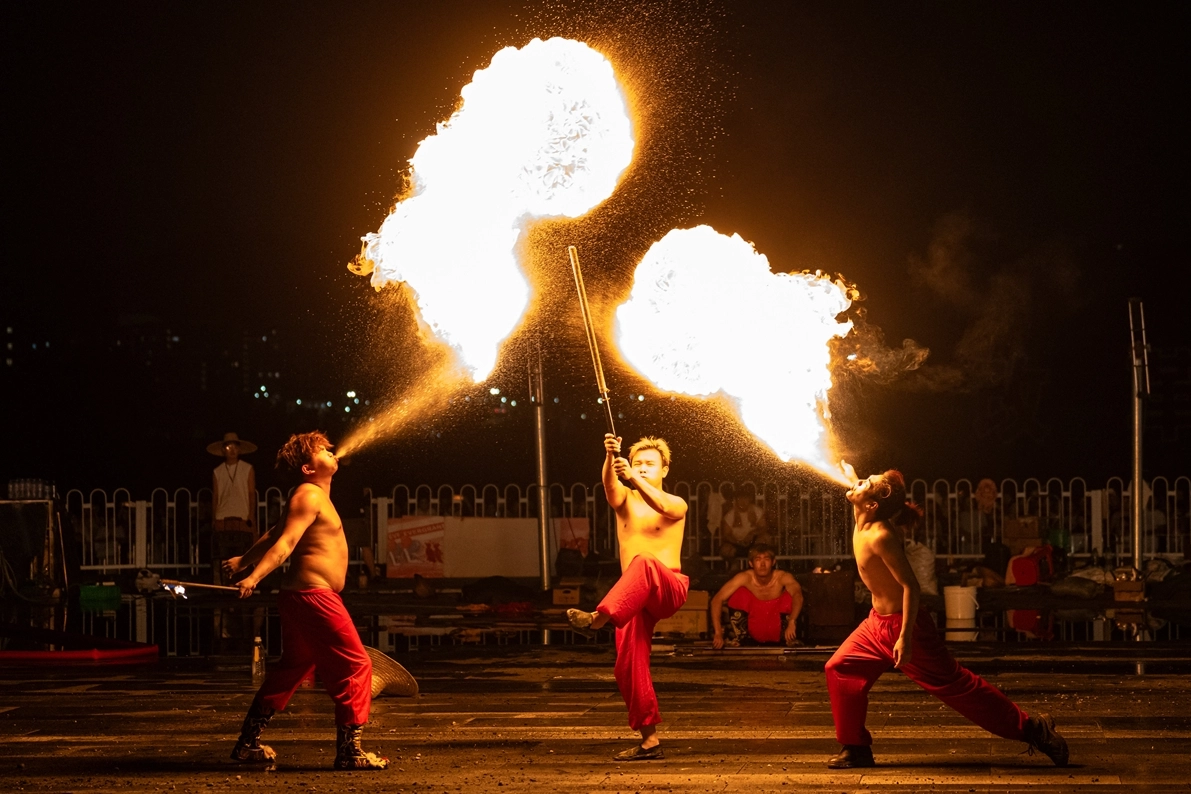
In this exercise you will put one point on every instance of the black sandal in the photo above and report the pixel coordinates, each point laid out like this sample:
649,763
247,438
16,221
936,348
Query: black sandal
639,753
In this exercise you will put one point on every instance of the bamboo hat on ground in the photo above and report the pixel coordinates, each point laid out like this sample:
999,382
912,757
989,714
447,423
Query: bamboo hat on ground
216,447
389,677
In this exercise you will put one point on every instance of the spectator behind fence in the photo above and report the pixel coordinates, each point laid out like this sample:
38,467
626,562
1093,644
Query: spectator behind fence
763,603
233,500
742,525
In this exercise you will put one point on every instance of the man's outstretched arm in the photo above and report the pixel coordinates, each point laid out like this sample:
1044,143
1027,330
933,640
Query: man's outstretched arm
303,510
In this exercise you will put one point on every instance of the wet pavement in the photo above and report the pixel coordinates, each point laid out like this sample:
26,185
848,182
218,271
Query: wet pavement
532,718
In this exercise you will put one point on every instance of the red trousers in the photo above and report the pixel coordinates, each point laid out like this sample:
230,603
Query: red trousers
868,652
318,634
646,593
765,617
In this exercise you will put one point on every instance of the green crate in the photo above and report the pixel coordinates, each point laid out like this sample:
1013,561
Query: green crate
99,597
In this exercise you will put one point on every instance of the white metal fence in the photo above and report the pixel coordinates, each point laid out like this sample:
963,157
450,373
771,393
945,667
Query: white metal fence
169,531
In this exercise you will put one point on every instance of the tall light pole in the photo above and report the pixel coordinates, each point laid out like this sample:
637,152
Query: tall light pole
1141,389
539,411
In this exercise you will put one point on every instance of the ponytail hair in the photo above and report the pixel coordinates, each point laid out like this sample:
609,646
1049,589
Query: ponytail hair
909,517
889,492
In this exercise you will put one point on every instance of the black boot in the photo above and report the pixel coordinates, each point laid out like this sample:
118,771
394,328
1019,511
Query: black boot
852,756
248,747
1041,735
349,754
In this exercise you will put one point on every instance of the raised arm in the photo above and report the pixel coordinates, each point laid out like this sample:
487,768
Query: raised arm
795,590
669,505
275,547
717,606
892,551
613,488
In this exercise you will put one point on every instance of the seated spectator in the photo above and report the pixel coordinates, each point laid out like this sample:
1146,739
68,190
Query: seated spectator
763,603
742,526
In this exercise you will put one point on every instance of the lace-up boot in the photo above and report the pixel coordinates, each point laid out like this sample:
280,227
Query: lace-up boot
248,747
349,754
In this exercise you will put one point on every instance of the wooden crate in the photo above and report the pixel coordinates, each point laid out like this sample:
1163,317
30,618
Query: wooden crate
684,622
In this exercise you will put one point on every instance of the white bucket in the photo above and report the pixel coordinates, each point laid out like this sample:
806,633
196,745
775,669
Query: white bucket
961,630
960,602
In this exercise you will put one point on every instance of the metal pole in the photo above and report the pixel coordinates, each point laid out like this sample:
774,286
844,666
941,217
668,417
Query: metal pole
1141,388
539,412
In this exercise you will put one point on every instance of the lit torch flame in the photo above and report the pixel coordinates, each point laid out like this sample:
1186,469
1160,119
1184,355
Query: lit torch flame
175,589
706,316
544,131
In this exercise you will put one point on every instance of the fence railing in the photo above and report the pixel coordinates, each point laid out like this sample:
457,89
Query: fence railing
169,530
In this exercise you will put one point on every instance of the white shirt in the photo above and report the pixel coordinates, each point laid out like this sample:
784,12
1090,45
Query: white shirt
233,499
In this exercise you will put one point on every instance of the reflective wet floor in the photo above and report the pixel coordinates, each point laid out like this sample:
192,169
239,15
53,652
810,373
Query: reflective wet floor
550,719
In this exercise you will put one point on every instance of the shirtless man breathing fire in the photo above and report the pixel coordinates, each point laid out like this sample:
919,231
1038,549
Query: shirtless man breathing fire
316,630
898,634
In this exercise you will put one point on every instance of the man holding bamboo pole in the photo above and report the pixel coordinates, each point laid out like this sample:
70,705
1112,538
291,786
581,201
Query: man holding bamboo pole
649,529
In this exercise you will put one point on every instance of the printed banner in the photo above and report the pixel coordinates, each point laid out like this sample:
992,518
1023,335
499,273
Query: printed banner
573,533
415,546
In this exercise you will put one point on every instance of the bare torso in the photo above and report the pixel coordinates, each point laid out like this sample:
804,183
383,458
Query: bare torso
764,591
642,530
887,592
319,558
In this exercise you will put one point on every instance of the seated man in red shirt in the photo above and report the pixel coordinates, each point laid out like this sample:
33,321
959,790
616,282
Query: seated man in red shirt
763,602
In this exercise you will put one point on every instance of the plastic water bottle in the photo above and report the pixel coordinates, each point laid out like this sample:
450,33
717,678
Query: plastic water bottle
258,661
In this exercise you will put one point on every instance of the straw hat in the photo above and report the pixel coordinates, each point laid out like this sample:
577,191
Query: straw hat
389,677
216,447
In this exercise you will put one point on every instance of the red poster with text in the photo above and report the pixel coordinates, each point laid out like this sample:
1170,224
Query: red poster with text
415,546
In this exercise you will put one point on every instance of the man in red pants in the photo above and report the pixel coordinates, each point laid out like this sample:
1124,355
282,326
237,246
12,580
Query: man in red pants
649,527
896,634
759,598
316,631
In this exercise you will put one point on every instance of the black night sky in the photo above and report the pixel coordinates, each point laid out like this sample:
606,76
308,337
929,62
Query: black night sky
186,182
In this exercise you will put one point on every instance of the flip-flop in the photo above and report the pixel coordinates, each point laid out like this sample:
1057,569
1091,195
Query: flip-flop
639,753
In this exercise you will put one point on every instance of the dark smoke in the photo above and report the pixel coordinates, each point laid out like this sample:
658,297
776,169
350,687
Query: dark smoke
999,306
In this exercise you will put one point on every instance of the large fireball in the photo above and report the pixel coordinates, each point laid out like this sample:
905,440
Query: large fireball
544,131
706,316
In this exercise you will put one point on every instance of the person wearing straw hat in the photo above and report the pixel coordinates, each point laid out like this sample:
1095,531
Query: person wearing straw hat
233,499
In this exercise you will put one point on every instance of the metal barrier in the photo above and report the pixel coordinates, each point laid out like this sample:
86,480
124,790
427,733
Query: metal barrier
168,532
808,521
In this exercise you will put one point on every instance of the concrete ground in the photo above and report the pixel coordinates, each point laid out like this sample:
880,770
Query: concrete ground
532,718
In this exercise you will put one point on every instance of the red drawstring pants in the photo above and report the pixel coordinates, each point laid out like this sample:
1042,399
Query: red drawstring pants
646,593
868,652
765,617
318,634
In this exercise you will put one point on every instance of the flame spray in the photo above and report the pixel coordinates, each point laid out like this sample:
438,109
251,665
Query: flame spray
706,316
543,132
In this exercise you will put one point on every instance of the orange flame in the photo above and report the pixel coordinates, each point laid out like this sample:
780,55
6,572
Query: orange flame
706,316
544,131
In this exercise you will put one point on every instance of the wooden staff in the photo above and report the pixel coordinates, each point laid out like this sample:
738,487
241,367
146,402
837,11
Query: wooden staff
198,585
601,384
